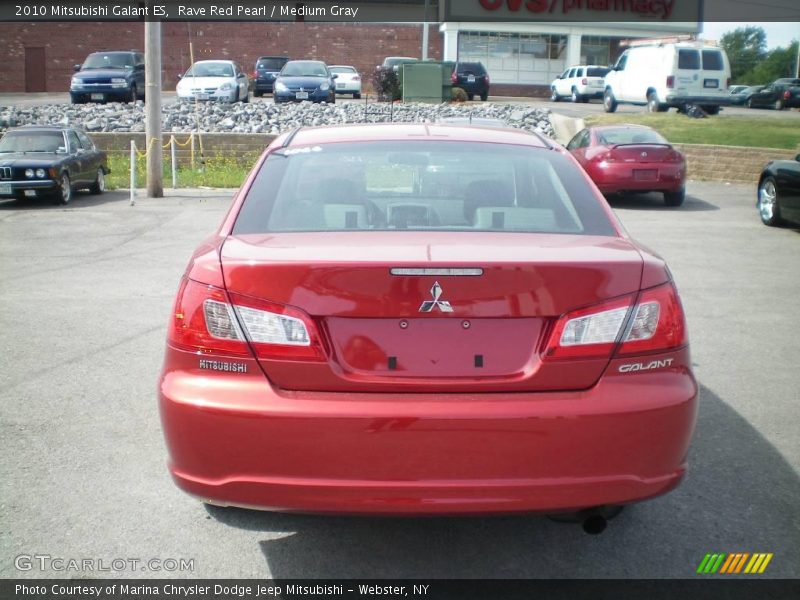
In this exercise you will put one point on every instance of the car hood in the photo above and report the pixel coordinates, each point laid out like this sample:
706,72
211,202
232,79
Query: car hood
101,73
32,159
307,82
192,82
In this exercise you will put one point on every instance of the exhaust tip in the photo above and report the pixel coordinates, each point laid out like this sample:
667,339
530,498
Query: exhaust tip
594,524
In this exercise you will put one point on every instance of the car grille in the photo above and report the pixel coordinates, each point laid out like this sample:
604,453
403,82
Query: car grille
96,81
304,88
210,90
5,172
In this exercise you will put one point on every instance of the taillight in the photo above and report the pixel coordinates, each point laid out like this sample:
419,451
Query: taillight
356,78
584,81
655,323
607,156
670,81
255,74
454,77
787,94
674,156
206,320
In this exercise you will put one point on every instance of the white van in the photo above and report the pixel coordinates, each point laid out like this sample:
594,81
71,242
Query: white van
667,73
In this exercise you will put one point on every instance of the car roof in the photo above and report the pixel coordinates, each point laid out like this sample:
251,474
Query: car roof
42,128
116,52
412,132
619,126
214,60
273,56
341,67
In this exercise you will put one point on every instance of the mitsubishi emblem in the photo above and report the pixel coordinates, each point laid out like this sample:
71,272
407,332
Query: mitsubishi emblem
644,154
428,305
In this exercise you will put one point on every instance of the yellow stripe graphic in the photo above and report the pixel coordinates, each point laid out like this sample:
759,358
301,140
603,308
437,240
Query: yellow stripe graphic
765,563
728,562
753,564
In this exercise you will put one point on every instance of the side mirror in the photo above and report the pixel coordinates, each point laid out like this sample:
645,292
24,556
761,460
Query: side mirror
76,68
334,76
180,75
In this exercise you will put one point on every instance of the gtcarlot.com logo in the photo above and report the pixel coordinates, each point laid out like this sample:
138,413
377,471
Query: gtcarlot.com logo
735,563
46,562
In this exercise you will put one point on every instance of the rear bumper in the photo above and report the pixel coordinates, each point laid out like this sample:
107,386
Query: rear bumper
234,440
619,177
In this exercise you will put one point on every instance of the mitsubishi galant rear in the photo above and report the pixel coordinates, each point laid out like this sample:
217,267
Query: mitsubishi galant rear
425,319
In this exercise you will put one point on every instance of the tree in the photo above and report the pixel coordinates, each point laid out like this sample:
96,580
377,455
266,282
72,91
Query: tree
779,62
746,47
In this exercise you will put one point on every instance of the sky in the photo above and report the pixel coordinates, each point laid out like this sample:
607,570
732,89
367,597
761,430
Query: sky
778,34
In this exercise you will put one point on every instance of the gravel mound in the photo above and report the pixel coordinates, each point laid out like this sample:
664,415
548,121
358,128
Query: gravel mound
265,117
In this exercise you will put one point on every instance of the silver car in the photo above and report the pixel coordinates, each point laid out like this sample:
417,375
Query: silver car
220,80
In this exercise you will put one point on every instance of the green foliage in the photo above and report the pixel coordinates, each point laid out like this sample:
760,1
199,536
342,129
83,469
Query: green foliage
778,63
387,84
459,95
746,47
216,172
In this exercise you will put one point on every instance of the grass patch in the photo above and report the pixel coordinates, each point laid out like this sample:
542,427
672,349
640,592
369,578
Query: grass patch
734,130
218,172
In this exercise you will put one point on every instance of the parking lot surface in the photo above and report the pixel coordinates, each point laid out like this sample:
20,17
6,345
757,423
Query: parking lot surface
86,292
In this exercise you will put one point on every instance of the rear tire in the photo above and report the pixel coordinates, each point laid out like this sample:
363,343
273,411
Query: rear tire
470,97
356,96
554,97
778,104
576,97
674,198
99,185
484,96
768,207
609,102
653,105
134,96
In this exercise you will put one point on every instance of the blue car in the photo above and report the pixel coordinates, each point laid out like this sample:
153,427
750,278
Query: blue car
109,76
301,80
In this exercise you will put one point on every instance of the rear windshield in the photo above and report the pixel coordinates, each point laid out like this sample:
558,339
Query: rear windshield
339,70
629,135
597,72
444,186
33,141
712,60
276,64
476,68
688,59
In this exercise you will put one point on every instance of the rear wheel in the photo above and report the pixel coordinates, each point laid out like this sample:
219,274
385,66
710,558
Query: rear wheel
554,97
576,97
768,207
609,102
674,198
134,95
749,103
356,96
778,104
99,185
470,96
653,105
484,96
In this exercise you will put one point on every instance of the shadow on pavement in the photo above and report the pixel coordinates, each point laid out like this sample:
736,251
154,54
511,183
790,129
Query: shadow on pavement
740,496
79,200
655,201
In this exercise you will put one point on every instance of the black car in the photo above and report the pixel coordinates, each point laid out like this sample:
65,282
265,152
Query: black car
50,162
740,97
267,69
472,78
779,192
104,76
780,94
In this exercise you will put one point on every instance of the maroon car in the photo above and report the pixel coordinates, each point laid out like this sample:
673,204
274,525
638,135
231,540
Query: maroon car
631,158
425,319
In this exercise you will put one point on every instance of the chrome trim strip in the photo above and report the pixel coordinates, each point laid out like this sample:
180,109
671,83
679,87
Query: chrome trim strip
443,272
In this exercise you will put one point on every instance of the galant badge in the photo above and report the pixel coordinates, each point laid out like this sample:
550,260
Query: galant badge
443,305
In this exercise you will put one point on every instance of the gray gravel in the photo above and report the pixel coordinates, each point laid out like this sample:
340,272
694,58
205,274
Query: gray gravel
264,117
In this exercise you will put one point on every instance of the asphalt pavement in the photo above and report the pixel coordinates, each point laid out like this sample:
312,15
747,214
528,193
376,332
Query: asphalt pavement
86,292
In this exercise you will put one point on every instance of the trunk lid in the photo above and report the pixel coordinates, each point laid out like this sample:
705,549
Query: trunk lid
375,334
642,153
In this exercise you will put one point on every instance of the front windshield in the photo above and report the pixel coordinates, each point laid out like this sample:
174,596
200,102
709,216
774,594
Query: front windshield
210,69
108,61
33,141
422,186
629,135
304,69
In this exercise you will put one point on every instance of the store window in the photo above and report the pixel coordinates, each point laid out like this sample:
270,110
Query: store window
515,58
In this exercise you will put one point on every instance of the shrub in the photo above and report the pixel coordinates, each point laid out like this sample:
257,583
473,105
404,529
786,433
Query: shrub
386,84
458,95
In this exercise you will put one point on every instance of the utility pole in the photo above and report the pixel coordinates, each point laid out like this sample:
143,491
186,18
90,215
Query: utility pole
425,34
797,60
152,86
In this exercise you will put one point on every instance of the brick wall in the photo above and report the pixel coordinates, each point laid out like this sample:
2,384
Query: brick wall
704,162
66,44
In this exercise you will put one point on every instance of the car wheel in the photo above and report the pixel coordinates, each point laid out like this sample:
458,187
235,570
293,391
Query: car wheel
246,98
609,102
99,185
356,96
77,99
768,206
65,195
576,97
778,105
749,103
674,198
554,97
470,97
133,97
484,96
653,105
257,94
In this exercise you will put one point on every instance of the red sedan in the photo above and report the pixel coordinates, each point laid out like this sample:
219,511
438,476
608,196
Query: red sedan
631,158
425,319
